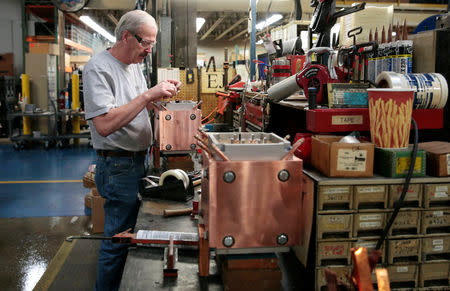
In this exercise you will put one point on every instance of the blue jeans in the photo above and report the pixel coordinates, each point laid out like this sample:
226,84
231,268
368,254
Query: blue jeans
117,180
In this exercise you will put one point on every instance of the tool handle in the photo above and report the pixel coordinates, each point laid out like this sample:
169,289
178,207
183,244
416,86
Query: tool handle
175,212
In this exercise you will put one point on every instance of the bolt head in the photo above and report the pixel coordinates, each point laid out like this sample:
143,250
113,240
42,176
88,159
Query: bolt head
193,116
228,241
282,239
229,177
168,117
193,146
283,175
168,147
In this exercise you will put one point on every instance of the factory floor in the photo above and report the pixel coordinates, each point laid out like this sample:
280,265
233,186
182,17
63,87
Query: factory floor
41,203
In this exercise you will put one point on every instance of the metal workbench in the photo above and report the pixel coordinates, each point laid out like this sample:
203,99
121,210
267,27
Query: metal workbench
144,265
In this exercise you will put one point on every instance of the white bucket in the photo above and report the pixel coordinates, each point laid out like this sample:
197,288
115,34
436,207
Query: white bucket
430,89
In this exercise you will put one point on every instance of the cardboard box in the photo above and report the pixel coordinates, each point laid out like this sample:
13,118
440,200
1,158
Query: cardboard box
335,159
44,48
438,157
394,163
7,64
98,214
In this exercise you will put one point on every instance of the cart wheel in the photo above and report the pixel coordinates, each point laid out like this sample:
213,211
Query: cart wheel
17,146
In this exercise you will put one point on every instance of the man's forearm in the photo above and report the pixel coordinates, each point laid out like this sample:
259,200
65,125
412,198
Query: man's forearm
118,117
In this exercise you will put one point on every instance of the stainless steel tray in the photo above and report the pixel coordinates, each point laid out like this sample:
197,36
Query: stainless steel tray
250,146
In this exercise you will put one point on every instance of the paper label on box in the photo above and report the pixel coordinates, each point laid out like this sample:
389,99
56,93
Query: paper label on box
403,163
366,217
346,119
402,269
370,224
448,164
351,160
371,189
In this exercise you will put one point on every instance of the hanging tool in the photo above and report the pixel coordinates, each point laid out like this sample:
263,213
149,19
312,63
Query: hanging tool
313,75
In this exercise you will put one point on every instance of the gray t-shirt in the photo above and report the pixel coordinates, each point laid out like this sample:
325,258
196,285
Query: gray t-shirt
109,83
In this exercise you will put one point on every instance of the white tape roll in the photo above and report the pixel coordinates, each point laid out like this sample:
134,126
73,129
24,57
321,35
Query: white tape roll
178,174
431,89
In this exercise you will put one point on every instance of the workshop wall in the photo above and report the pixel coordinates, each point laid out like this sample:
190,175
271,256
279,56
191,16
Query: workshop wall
11,32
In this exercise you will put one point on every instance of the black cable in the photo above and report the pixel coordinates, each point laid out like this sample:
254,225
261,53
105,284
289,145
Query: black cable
399,203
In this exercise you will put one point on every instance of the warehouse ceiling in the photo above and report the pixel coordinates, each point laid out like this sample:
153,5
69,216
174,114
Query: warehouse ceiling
225,20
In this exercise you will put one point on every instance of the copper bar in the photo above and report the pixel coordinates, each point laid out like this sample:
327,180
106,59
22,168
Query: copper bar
203,252
383,36
382,279
362,269
376,34
293,149
202,145
220,153
370,35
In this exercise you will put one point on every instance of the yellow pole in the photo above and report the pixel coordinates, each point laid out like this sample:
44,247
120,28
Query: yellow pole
26,100
76,105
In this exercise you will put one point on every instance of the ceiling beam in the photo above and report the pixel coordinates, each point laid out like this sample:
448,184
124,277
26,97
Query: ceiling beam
112,18
218,21
231,28
239,34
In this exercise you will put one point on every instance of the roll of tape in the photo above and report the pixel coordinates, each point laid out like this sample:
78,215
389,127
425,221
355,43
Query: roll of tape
173,173
431,89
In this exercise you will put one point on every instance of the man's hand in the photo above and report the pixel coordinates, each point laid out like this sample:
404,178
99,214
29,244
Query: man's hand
165,89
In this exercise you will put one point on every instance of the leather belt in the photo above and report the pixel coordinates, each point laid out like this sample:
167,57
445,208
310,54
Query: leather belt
119,153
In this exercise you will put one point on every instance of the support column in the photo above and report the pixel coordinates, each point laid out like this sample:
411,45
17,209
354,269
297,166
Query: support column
184,40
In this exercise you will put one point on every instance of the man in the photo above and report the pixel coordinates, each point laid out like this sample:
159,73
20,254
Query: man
117,101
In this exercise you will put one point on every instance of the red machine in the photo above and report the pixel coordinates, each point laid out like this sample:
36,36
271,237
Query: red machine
312,76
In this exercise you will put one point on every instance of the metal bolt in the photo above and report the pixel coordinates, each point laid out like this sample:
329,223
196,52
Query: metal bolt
168,117
168,147
228,241
193,146
193,116
282,239
283,175
229,177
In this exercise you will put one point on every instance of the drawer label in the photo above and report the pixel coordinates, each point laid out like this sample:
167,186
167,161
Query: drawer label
438,245
366,217
402,269
346,119
335,190
352,160
441,188
440,194
370,224
370,189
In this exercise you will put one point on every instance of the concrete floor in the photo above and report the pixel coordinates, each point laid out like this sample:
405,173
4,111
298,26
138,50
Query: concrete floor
27,246
37,210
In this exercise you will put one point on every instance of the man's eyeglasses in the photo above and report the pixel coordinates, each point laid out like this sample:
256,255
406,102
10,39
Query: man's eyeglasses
144,43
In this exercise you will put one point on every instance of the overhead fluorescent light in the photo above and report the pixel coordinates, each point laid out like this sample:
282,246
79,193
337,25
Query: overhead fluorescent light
200,22
92,24
272,19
